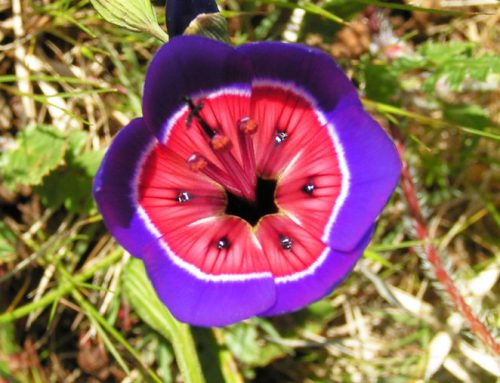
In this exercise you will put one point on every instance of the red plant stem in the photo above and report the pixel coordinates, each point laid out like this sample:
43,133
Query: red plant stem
442,275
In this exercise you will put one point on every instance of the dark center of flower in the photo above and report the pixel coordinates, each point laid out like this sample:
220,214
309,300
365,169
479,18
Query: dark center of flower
252,212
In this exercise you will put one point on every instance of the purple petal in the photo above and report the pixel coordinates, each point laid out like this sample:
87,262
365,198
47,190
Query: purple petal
203,300
307,68
374,167
189,66
298,291
114,190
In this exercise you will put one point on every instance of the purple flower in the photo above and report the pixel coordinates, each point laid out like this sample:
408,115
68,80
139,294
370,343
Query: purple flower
252,183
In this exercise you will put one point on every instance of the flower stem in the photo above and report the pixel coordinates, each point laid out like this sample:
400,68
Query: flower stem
442,275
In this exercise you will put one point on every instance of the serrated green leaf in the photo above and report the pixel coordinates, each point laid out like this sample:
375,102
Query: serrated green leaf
70,187
39,150
89,162
456,70
440,52
136,15
453,61
76,142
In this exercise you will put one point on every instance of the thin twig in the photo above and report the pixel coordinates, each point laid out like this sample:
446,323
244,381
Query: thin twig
442,275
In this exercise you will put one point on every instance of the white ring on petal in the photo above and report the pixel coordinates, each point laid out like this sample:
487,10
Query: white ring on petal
304,273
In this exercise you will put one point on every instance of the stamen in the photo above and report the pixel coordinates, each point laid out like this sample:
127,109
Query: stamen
222,243
280,137
309,188
247,125
246,128
286,243
220,142
237,174
198,163
183,197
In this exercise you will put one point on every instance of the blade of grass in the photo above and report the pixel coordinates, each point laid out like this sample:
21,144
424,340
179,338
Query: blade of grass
397,246
95,316
493,212
310,8
413,8
45,78
87,308
63,289
393,110
103,326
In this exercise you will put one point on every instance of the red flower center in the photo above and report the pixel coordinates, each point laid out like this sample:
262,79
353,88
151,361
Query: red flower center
239,176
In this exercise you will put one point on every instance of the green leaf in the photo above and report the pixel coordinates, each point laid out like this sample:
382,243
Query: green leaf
76,142
315,317
89,162
453,61
70,187
381,83
247,345
440,52
472,116
143,299
456,69
136,15
39,150
8,347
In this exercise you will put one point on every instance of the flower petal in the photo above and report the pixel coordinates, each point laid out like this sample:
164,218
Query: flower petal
202,299
331,268
127,195
114,187
308,69
374,167
190,66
